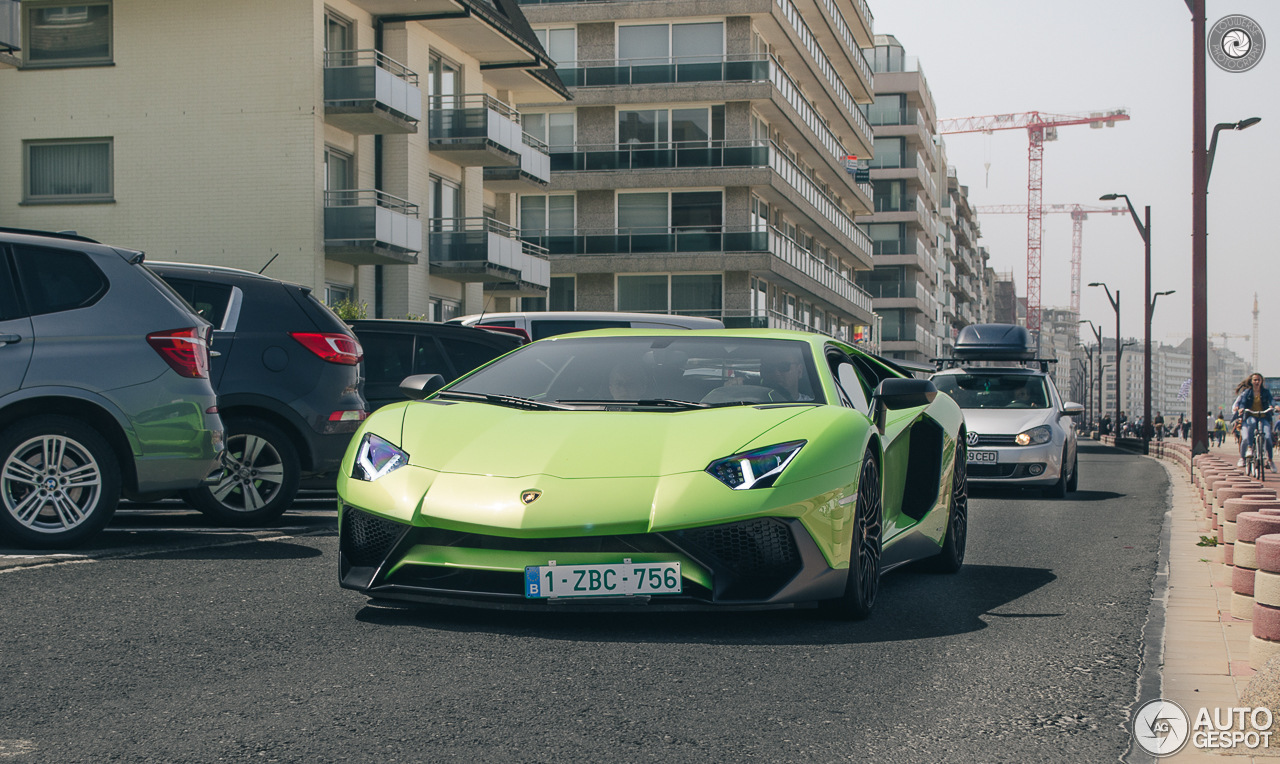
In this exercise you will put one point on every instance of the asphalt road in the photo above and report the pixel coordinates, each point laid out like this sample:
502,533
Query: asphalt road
172,642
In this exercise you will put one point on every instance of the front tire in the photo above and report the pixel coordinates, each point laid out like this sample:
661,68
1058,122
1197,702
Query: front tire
258,480
1059,489
59,482
951,558
1073,484
864,556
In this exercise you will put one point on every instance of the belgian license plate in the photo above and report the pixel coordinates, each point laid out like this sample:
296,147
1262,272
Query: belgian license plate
982,456
544,581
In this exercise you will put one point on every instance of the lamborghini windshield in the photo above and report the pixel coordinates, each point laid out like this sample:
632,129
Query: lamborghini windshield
671,372
994,391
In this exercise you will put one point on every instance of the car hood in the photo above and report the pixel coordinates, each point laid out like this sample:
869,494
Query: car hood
1006,421
483,439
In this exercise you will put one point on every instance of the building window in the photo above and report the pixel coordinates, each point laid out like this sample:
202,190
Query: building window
659,43
61,34
339,170
69,171
690,294
556,129
560,44
559,297
685,127
542,215
339,38
656,212
336,293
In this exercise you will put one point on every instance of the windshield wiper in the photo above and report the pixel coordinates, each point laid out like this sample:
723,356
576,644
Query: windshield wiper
655,402
503,400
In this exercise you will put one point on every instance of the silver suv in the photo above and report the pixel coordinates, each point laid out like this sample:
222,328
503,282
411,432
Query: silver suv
104,387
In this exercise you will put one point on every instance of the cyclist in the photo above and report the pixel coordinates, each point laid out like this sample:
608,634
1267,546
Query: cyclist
1256,399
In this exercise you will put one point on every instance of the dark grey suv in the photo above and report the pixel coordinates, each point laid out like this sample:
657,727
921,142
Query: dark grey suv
288,379
104,387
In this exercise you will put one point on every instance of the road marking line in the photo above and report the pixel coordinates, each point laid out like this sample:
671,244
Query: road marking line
138,553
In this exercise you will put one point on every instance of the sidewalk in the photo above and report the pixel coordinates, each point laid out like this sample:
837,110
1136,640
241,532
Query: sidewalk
1206,650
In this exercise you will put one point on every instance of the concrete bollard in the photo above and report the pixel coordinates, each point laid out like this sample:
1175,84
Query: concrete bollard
1265,642
1234,490
1250,526
1231,510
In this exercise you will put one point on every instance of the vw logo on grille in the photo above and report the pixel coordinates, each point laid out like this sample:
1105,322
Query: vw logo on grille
530,496
971,438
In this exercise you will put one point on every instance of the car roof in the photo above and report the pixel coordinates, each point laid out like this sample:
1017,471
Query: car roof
992,370
221,271
429,327
594,315
65,239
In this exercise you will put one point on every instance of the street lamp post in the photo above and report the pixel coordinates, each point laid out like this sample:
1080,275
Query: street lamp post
1144,230
1201,164
1115,304
1097,332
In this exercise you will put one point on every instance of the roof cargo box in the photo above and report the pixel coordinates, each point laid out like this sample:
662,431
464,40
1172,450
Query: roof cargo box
994,342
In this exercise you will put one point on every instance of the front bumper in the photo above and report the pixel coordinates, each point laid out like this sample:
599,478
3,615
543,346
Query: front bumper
759,563
1017,465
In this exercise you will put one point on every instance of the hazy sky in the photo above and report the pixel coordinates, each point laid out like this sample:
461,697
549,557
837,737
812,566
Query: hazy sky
1002,56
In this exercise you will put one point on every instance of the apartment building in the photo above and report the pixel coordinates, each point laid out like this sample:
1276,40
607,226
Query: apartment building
961,288
904,225
370,149
704,165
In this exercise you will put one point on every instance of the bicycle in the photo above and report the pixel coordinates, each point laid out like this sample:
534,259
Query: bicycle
1255,463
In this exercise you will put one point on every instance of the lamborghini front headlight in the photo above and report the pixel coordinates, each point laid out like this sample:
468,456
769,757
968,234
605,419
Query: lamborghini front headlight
376,457
758,468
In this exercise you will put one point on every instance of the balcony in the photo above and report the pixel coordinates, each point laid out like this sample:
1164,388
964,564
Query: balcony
486,250
703,155
701,240
369,227
481,131
728,68
367,93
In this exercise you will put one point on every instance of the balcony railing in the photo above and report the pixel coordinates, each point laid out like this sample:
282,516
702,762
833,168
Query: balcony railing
793,17
706,154
728,68
477,129
370,227
485,249
644,241
362,88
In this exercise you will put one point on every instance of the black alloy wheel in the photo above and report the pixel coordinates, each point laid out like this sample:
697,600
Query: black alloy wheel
864,556
951,558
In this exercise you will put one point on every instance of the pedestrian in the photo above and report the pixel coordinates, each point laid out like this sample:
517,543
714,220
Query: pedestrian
1157,422
1220,428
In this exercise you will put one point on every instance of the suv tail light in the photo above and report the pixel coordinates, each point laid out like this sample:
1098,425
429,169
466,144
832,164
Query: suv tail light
185,350
334,348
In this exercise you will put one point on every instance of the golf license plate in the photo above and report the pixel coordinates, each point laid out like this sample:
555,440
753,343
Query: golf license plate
544,581
982,457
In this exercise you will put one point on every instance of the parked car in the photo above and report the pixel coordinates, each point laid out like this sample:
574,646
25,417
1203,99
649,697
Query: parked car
1021,432
104,387
540,325
396,349
288,379
733,468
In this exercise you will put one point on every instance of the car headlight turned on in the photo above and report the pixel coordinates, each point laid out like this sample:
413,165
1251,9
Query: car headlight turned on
759,468
1035,436
376,457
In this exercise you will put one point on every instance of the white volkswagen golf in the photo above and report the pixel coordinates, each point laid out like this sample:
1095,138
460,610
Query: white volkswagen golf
1020,431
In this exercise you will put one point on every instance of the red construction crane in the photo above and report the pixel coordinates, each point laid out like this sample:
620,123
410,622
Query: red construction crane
1040,127
1079,213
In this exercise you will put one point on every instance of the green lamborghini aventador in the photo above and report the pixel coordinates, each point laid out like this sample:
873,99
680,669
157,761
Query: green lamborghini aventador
662,469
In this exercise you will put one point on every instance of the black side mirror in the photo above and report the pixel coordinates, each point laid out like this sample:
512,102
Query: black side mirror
419,386
893,394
